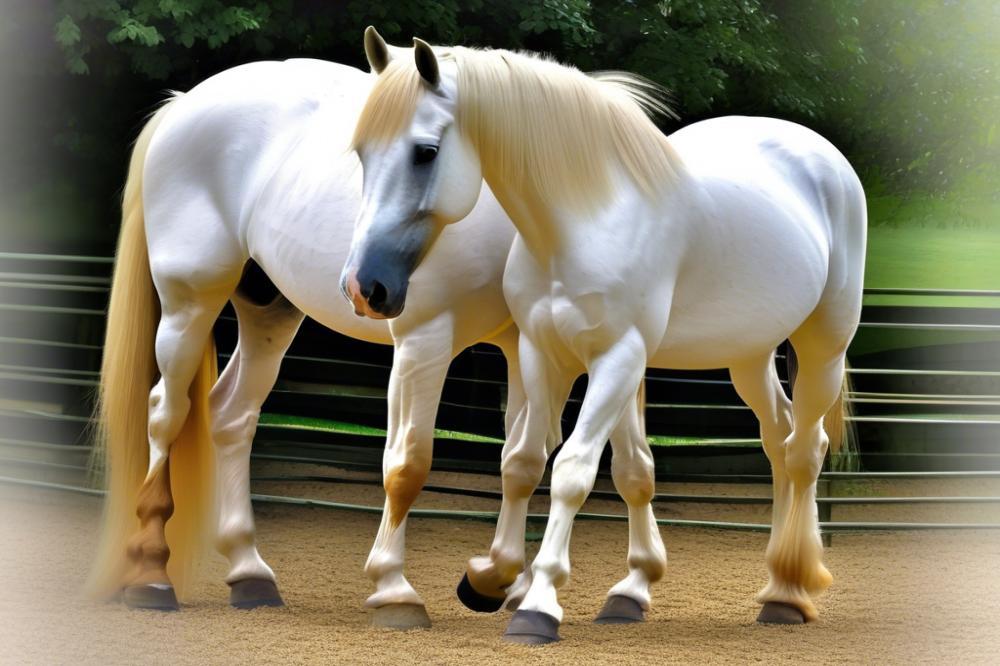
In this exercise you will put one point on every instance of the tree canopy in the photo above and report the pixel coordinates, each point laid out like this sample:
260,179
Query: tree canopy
906,88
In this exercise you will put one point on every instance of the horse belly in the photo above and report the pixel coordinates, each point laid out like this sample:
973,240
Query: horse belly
753,274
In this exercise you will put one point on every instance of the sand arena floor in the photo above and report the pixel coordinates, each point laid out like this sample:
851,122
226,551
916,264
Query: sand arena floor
897,598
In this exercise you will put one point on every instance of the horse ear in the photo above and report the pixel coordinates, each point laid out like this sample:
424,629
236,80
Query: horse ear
427,63
376,50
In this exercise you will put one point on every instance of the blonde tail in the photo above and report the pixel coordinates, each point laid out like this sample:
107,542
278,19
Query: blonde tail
844,454
120,456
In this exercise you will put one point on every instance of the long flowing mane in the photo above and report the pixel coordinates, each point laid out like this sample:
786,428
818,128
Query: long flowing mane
540,125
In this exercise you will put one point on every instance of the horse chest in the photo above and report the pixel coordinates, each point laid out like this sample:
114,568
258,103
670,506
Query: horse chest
567,325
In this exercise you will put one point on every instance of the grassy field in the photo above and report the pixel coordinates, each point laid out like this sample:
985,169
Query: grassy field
929,257
933,258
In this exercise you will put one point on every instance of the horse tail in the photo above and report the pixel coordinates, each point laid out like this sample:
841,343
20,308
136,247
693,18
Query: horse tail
120,455
844,453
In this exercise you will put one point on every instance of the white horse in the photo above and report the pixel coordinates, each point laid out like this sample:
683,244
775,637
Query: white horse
252,170
705,249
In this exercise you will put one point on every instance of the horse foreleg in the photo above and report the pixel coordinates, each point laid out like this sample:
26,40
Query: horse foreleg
265,332
614,381
531,436
419,367
633,473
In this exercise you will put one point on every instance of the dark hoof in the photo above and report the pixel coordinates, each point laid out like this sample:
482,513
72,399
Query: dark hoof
532,628
254,593
775,612
151,597
401,617
619,609
474,600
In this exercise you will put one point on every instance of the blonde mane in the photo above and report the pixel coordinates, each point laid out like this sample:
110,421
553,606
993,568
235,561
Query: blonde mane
390,105
540,126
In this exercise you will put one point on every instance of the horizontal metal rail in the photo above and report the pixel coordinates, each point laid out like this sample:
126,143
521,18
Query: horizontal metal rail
68,258
19,278
491,516
928,326
898,291
611,495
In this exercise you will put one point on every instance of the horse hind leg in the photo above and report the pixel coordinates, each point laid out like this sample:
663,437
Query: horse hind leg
267,325
756,381
795,554
185,325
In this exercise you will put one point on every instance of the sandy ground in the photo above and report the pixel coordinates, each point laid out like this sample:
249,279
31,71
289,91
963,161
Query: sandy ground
898,598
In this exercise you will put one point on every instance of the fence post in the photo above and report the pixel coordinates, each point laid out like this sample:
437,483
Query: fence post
824,488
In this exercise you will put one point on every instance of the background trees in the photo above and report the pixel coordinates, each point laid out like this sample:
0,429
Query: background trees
907,88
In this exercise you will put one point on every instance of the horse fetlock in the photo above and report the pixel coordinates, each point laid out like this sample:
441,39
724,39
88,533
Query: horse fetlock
234,534
507,564
246,563
554,570
651,562
381,564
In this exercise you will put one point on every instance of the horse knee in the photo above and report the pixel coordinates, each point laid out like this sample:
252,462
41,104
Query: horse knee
234,430
572,479
635,481
521,471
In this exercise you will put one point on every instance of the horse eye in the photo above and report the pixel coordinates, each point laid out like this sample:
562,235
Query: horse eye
424,153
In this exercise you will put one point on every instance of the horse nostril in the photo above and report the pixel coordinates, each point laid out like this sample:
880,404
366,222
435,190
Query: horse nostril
378,296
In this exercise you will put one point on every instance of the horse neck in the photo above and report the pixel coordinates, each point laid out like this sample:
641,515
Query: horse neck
560,237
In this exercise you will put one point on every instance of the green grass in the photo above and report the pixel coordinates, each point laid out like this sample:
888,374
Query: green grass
342,427
933,258
929,257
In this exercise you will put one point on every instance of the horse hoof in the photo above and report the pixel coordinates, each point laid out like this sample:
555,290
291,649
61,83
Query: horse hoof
254,593
775,612
619,609
401,617
474,600
156,596
529,627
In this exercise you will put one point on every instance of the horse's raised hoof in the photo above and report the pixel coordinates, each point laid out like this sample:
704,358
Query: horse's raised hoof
474,600
401,617
529,627
156,596
775,612
254,593
619,609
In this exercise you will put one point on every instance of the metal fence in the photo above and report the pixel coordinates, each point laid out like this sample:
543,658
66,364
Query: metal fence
926,400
